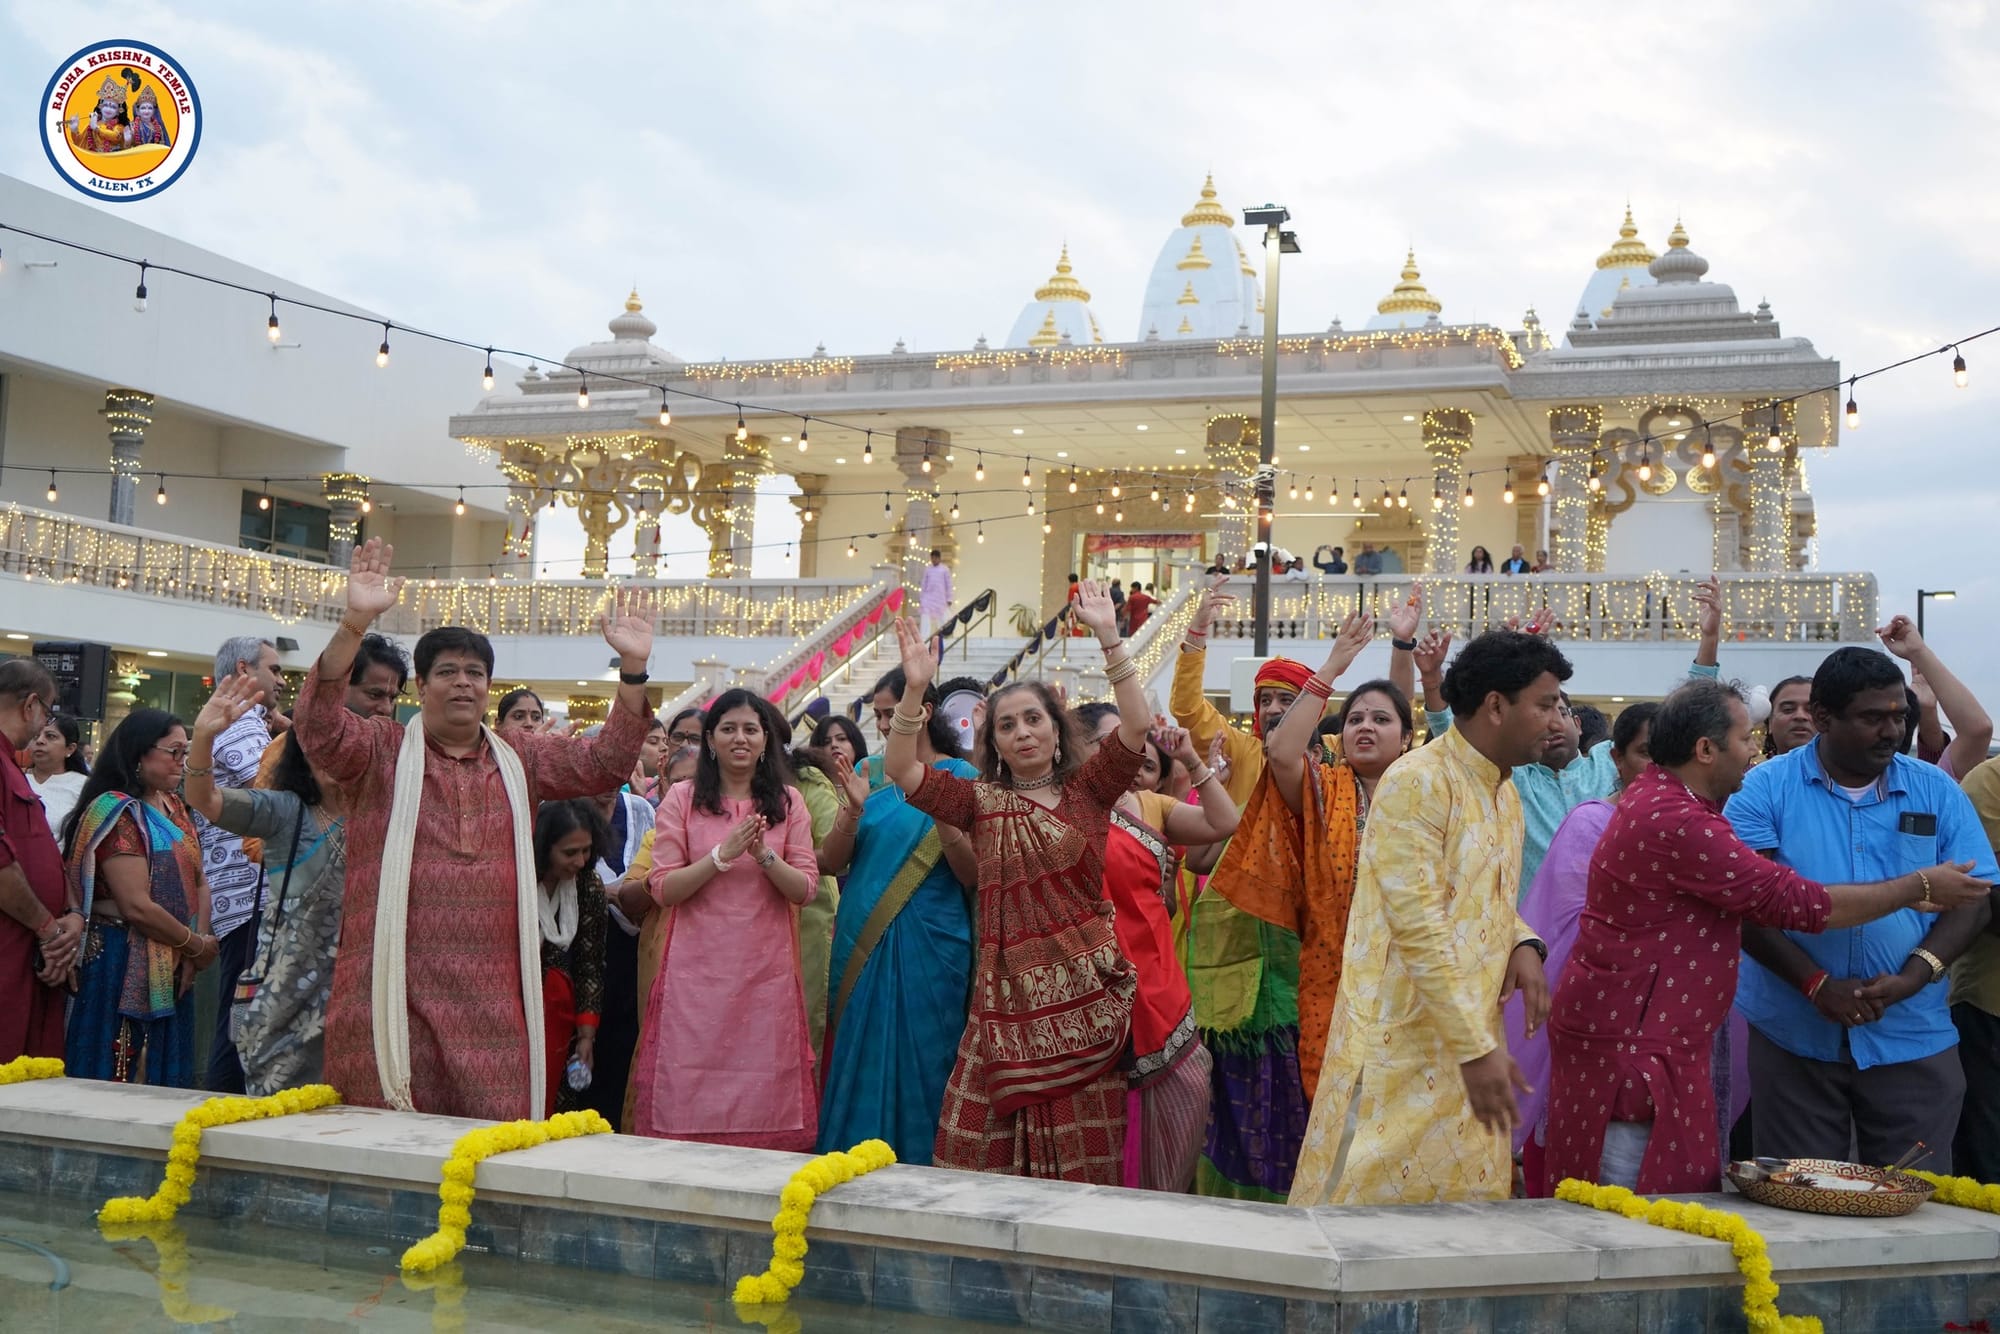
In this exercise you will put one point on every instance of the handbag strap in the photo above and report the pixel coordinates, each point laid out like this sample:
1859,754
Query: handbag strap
284,890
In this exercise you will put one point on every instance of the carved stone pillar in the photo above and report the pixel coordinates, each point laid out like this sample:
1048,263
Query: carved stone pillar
1447,435
130,412
1233,442
517,551
1573,434
646,540
920,457
1767,545
711,510
812,487
345,493
748,462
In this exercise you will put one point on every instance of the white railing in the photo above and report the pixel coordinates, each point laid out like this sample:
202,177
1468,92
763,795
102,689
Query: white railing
1615,608
61,548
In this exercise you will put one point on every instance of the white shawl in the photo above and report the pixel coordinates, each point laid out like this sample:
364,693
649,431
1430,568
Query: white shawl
389,999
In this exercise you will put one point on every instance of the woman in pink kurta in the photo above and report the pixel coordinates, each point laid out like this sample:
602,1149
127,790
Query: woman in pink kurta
724,1054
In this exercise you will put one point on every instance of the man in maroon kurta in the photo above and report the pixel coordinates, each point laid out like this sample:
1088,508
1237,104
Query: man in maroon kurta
1653,972
468,1031
32,909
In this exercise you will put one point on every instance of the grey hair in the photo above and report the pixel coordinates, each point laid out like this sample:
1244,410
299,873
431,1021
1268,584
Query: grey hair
243,648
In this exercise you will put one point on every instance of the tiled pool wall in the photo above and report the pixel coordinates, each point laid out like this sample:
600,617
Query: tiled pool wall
1004,1291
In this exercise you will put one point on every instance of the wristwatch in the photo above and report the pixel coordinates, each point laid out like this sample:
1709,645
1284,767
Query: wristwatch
1539,947
634,678
768,857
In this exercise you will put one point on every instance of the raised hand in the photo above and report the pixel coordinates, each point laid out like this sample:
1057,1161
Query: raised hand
1404,620
1213,601
1900,637
1218,756
919,668
233,697
1708,608
1431,651
371,589
1355,632
1094,607
1177,743
854,790
628,627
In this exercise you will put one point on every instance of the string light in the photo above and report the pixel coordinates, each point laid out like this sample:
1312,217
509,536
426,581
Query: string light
742,429
979,468
1958,376
1118,515
486,383
582,392
1776,441
1646,464
1072,483
1047,527
160,496
1031,504
805,433
1100,504
1853,408
982,533
459,508
382,352
1542,483
1117,490
954,506
1294,492
1403,500
1357,493
52,486
1437,497
1388,501
851,549
868,448
666,413
139,295
1156,491
1707,448
1468,495
886,511
1309,488
367,505
1507,492
926,463
1026,480
263,498
271,325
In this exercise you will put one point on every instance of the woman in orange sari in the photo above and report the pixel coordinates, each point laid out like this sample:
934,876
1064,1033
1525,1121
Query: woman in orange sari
1300,874
1038,1088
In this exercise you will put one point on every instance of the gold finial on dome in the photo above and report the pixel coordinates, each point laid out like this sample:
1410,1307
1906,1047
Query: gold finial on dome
1243,261
1677,239
1187,326
1187,296
632,302
1063,286
1628,251
1048,335
1208,210
1410,294
1195,259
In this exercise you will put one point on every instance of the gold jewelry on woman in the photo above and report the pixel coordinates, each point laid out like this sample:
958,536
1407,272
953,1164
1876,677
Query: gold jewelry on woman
1122,670
903,725
1200,774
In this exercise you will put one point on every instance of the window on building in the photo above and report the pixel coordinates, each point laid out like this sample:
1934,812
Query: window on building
287,528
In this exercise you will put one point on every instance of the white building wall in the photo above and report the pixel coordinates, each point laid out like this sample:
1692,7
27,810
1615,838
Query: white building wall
1669,533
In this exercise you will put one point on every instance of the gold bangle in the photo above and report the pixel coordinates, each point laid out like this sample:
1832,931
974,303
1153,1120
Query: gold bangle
1924,879
902,726
1121,671
1937,964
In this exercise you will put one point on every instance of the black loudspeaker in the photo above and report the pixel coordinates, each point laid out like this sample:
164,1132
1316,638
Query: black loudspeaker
82,672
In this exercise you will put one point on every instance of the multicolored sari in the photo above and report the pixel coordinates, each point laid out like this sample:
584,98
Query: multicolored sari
129,1022
1038,1089
901,970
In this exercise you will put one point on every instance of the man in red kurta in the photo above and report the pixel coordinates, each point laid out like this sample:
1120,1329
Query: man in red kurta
1653,972
468,1030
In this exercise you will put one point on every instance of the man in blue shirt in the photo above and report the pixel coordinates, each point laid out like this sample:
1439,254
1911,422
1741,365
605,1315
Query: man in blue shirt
1851,1037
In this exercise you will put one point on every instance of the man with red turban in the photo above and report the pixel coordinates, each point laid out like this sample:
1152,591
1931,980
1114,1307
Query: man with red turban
1243,971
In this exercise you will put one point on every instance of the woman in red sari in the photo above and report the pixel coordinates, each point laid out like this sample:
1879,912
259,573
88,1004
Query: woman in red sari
1039,1085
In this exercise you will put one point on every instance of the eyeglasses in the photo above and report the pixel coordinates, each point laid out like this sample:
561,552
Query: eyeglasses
178,752
685,738
1565,711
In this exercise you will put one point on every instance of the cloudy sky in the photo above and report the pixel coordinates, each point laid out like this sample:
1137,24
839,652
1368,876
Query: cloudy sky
774,175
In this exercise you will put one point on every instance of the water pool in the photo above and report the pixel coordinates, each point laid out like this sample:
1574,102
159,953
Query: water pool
247,1277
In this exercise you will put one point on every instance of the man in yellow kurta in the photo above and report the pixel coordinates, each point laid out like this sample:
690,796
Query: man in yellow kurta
1416,1100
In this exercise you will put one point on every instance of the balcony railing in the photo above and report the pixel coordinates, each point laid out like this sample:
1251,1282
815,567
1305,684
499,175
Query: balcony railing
1611,608
63,549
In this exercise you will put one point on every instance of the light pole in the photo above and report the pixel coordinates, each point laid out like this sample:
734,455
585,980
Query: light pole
1270,217
1927,595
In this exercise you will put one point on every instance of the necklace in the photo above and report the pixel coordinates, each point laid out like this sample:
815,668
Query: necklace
1029,784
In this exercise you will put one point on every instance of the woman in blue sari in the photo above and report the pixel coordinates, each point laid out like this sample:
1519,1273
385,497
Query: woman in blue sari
135,865
902,956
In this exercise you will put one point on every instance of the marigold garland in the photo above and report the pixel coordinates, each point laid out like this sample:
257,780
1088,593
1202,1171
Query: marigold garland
455,1177
164,1203
1964,1192
447,1289
795,1202
1760,1293
24,1068
171,1245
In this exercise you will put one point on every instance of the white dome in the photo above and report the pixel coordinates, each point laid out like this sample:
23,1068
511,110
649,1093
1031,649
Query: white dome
1202,284
1059,312
1620,268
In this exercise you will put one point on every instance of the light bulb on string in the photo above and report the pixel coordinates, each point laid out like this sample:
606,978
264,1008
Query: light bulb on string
1646,465
139,294
486,379
982,534
459,508
52,486
264,496
1156,491
1047,527
1294,491
954,506
382,352
805,433
160,496
1188,505
1403,499
886,511
1072,483
851,551
868,448
742,428
1309,488
271,325
1776,440
1116,489
1468,495
1026,479
1388,501
1958,376
1853,408
1100,506
1437,498
582,392
979,468
926,464
1357,493
1507,492
1031,504
666,413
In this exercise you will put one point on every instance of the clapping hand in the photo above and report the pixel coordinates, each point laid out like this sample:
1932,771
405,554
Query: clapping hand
1431,651
739,840
371,589
233,697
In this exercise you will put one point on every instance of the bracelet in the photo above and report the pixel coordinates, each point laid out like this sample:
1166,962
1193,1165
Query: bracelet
1924,879
1937,964
766,860
361,629
1406,645
715,858
1318,688
1200,774
193,772
1812,984
1123,670
902,725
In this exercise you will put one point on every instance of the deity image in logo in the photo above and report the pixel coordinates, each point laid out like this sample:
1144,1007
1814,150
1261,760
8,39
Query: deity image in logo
120,120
